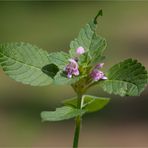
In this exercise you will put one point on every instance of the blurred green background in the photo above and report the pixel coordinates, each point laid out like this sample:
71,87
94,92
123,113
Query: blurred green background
51,26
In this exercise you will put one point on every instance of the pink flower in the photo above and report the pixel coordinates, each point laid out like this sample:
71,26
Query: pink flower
96,74
80,50
72,68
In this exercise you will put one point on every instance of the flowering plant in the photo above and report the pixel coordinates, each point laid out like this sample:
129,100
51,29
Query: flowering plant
80,68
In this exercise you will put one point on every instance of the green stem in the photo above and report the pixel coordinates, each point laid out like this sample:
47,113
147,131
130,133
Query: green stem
77,124
77,132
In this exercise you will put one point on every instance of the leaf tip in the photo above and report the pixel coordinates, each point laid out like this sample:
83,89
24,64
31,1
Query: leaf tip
42,116
100,13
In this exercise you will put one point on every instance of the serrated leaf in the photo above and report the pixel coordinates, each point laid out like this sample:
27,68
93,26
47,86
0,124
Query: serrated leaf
62,113
59,58
128,78
23,62
87,38
97,48
89,103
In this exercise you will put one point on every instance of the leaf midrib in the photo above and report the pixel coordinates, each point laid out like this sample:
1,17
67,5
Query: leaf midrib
32,66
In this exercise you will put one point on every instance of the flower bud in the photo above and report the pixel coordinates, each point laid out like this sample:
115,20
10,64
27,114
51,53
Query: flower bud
100,65
80,50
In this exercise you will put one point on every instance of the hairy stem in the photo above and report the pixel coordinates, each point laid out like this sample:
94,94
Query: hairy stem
77,124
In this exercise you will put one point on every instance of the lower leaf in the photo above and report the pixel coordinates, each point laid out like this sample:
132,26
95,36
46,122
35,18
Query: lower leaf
62,113
89,103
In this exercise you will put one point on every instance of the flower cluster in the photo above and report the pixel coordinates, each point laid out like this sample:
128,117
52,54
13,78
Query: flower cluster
73,68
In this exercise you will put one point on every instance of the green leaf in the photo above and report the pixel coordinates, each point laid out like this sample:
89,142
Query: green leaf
62,113
61,79
92,103
50,69
59,58
100,13
97,48
87,38
128,78
89,103
23,62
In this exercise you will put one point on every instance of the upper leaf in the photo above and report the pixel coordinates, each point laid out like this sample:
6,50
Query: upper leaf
128,78
87,38
89,103
23,62
62,113
59,58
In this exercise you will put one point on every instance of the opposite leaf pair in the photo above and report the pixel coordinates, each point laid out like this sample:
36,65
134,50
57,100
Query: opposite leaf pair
70,110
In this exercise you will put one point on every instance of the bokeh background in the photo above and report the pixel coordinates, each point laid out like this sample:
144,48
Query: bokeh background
52,25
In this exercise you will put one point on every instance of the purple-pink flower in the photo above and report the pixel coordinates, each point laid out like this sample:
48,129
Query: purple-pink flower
80,50
96,74
72,68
